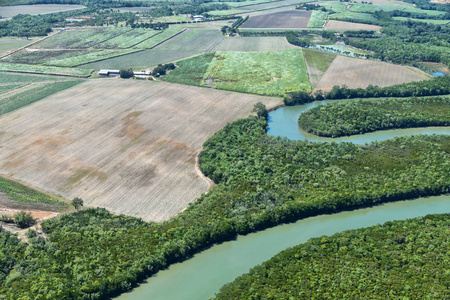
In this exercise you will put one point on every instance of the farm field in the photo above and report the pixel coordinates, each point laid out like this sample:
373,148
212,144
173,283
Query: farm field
342,25
317,63
197,40
317,19
140,60
145,147
11,11
49,70
254,44
72,48
266,11
263,73
359,73
269,4
9,43
285,19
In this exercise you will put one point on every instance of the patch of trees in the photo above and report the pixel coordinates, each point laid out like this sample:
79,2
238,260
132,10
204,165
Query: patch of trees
234,27
262,181
361,34
294,40
162,69
348,118
22,219
126,73
387,261
435,86
308,6
29,26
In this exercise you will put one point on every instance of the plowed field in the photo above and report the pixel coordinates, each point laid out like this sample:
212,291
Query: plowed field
359,73
341,25
129,146
283,19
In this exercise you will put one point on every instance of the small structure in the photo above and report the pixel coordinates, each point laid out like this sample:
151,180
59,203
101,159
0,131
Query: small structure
143,73
198,18
108,72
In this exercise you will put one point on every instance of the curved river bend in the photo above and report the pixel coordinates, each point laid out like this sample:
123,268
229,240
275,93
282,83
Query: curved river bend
201,276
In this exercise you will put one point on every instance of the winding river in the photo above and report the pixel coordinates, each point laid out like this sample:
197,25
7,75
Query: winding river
201,276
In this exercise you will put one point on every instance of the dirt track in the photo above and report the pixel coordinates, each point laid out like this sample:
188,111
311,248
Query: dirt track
126,145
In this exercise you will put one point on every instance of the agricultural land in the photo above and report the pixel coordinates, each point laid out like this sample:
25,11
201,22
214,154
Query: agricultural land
359,73
145,147
284,20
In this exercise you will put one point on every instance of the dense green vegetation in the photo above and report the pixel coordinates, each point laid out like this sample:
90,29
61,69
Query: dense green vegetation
439,85
399,259
262,181
20,196
357,117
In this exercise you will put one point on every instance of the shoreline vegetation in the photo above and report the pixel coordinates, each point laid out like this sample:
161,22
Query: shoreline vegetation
358,117
396,259
293,181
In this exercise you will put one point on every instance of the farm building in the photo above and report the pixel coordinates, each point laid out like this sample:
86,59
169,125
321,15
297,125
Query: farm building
108,72
143,73
198,18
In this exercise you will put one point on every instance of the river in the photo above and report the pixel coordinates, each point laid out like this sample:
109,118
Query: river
201,276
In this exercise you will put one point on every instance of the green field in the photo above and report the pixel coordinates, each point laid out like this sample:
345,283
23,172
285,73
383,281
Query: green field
74,72
19,196
265,73
317,19
7,77
33,94
437,22
7,44
128,39
140,60
10,87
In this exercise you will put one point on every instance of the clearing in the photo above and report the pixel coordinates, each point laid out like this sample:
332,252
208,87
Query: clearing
342,25
284,19
359,73
129,146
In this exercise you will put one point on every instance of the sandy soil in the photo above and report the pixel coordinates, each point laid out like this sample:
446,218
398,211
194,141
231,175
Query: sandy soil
129,146
341,25
357,73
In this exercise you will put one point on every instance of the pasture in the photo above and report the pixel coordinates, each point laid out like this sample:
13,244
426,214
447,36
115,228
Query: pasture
317,19
10,43
342,25
126,145
35,69
264,73
37,9
254,44
359,73
284,19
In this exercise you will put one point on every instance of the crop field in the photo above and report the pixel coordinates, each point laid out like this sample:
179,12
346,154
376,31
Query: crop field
359,73
317,63
74,72
140,60
81,38
263,73
10,87
26,94
269,4
82,46
7,44
317,19
146,136
197,40
11,11
284,19
254,44
342,25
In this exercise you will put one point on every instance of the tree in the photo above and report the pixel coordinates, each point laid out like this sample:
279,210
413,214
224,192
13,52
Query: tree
23,219
261,110
126,73
77,203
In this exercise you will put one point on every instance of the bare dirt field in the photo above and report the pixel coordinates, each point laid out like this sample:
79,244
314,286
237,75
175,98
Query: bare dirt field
11,11
379,2
267,11
254,44
440,1
359,73
283,19
129,146
341,25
